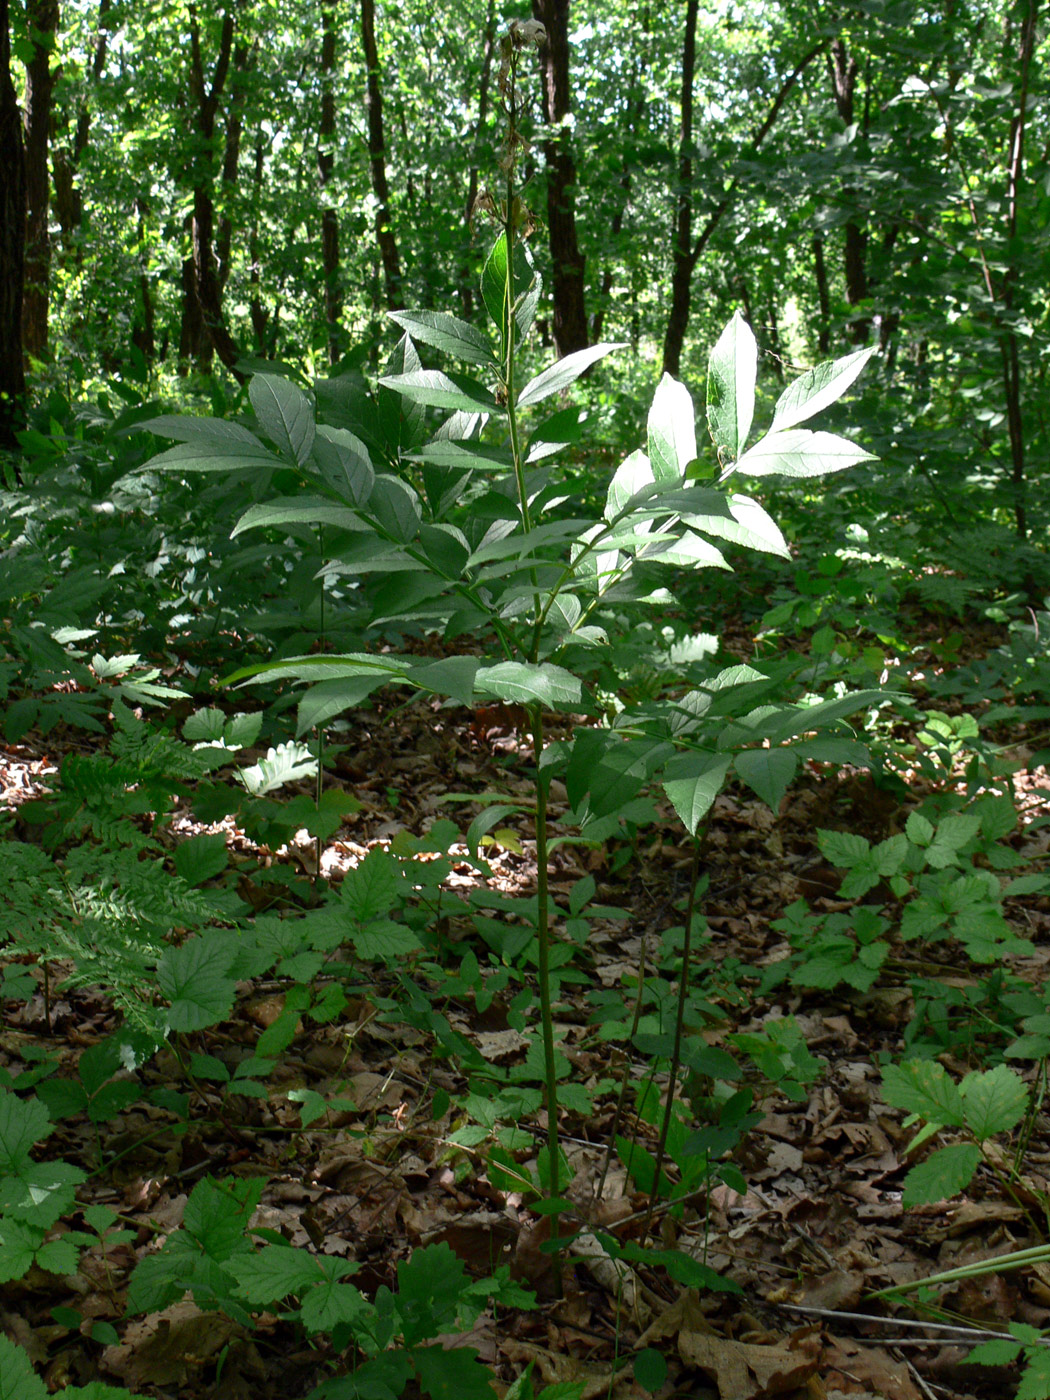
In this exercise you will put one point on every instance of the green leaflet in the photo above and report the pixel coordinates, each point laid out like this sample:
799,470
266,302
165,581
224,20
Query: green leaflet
439,390
692,781
447,333
194,980
297,510
285,414
671,432
214,456
798,452
731,374
818,388
525,683
563,373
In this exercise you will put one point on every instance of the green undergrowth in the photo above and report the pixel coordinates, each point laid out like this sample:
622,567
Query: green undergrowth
217,614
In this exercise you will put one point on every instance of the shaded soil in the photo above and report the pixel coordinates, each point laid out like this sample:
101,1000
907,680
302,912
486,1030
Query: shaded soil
819,1228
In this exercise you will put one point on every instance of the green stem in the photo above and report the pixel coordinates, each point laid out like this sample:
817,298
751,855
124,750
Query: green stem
543,935
676,1052
319,731
626,1077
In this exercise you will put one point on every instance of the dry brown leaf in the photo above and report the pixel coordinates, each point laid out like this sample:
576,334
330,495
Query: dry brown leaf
853,1368
684,1314
173,1347
561,1369
743,1371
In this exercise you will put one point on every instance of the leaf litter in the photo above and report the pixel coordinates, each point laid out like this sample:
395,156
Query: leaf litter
820,1227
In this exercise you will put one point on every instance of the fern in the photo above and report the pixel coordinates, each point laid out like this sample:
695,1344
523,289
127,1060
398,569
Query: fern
106,912
943,591
158,755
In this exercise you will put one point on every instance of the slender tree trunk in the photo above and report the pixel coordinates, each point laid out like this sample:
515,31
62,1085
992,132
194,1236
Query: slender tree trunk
333,301
194,345
65,160
42,17
259,314
467,273
632,116
243,62
12,248
842,67
385,240
1012,385
684,259
567,262
201,276
820,275
143,331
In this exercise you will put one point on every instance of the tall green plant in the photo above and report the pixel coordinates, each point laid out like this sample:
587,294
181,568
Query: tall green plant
470,532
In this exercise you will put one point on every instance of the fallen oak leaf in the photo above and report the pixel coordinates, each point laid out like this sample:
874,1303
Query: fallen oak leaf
746,1371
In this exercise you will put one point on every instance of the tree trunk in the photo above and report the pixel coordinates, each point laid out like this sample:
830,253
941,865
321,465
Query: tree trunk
260,316
1008,343
12,248
682,259
143,330
243,61
201,280
632,116
42,18
333,301
820,274
842,67
567,262
467,273
385,240
65,161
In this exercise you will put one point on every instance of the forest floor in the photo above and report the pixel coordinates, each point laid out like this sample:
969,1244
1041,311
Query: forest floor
820,1228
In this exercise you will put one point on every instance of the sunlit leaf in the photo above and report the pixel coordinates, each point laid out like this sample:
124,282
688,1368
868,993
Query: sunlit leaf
801,453
671,430
818,388
565,372
447,333
731,372
943,1175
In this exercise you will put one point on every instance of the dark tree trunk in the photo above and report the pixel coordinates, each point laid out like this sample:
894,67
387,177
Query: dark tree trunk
42,18
385,240
842,67
684,259
333,301
467,272
1008,343
632,116
201,279
143,332
12,248
209,291
65,160
243,62
194,345
567,262
259,314
820,275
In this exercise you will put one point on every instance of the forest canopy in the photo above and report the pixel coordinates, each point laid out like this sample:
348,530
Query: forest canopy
258,182
524,686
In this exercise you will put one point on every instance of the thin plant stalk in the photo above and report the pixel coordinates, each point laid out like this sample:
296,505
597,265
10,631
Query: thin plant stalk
543,930
676,1051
